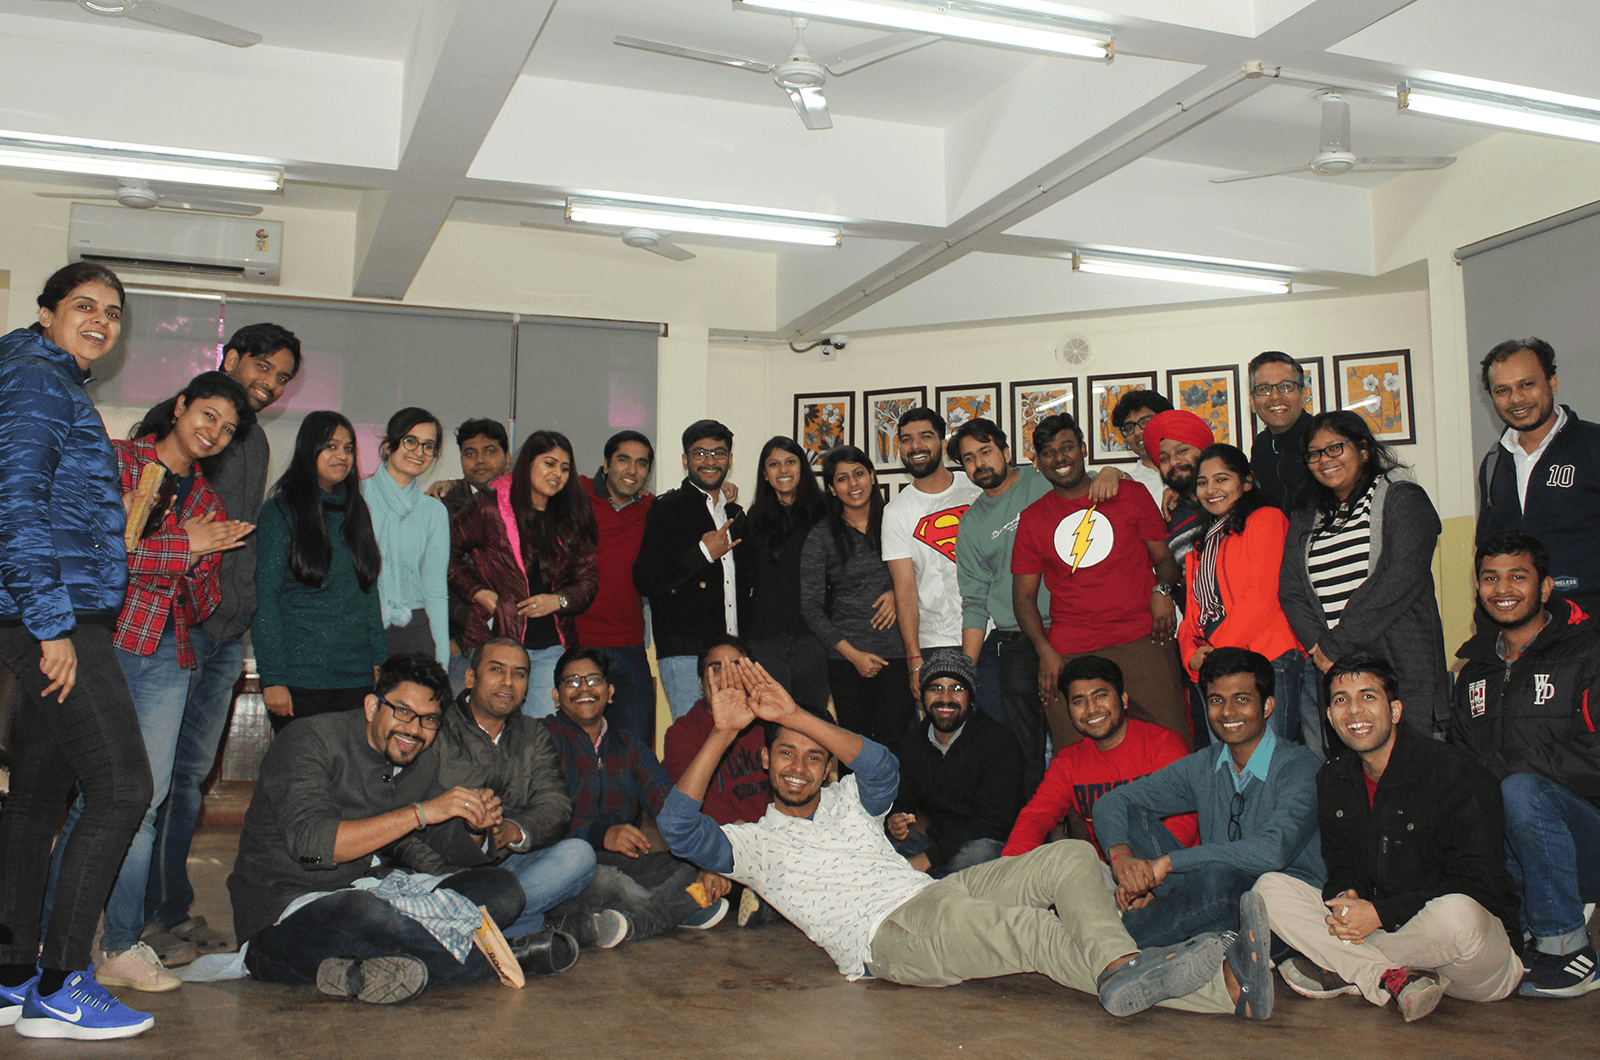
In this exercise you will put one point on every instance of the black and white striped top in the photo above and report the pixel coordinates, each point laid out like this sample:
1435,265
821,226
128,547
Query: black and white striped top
1340,557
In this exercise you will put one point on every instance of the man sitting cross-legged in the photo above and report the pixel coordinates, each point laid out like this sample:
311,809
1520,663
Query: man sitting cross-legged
821,857
1418,900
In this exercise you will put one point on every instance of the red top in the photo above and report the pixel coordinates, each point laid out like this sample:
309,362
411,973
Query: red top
1081,773
1372,788
616,618
1247,581
1106,600
739,790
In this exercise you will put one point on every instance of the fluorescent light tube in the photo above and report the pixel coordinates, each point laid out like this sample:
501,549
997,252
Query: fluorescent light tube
109,164
1030,25
1180,272
670,219
1577,120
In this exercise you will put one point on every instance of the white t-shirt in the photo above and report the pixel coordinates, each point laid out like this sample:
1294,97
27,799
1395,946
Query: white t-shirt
922,527
1148,477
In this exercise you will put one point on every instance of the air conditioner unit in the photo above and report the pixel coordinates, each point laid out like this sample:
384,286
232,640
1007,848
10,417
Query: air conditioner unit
239,248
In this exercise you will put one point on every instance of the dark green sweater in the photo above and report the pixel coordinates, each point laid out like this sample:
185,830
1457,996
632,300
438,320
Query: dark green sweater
330,636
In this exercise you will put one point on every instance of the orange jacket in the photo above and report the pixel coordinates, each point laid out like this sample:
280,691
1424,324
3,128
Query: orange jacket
1247,580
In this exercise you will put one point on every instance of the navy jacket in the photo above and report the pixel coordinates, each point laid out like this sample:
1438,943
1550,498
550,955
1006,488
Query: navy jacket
61,515
1278,462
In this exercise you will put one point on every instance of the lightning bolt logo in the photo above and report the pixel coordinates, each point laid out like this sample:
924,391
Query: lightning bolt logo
1085,535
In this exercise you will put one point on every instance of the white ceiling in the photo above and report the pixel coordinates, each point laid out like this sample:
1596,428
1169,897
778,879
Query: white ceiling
962,174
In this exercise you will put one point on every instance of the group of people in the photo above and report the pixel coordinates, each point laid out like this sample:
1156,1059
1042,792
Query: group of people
463,769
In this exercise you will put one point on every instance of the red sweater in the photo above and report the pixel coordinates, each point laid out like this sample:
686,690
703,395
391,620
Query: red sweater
616,618
739,790
1081,773
1247,580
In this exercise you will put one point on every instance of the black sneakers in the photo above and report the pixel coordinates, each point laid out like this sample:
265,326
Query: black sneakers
1561,974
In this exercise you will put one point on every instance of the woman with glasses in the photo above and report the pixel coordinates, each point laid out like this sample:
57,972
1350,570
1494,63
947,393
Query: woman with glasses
525,554
318,631
413,535
1357,573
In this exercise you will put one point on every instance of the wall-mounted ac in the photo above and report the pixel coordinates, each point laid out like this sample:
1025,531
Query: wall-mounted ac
239,248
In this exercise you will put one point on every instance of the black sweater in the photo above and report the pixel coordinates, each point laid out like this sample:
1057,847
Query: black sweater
972,791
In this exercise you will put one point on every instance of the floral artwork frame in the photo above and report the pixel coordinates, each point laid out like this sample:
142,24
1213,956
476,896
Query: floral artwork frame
1212,393
1316,399
1031,401
1104,391
958,404
880,415
1377,387
823,421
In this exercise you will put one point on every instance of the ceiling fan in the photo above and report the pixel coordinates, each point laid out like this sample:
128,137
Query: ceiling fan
174,18
801,76
640,238
137,195
1334,156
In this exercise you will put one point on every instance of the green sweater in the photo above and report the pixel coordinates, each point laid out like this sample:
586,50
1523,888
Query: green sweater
983,553
330,636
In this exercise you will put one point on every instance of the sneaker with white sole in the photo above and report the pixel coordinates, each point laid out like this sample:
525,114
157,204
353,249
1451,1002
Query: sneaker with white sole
81,1009
1307,979
11,998
707,918
171,951
1561,974
137,967
1416,991
594,931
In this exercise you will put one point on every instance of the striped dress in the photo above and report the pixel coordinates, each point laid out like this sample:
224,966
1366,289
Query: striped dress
1339,557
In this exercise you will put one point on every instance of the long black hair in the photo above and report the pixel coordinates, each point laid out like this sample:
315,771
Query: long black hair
843,543
299,496
160,420
566,526
1234,460
770,528
1376,459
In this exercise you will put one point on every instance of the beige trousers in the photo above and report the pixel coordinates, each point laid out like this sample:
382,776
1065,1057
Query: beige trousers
995,919
1453,935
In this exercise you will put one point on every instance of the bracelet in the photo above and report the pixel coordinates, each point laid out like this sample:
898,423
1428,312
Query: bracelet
422,816
1122,854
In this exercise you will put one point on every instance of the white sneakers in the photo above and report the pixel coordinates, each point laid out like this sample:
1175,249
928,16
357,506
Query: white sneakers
137,967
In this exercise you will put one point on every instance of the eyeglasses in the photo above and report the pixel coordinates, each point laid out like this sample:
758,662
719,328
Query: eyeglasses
709,454
406,714
577,681
1136,426
1331,452
413,443
952,687
1235,828
1286,388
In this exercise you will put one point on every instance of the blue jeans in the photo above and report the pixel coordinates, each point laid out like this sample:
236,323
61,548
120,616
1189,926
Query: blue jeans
1287,674
1553,852
633,706
649,890
1313,720
160,688
205,718
459,665
990,699
972,852
541,701
681,680
1205,898
549,877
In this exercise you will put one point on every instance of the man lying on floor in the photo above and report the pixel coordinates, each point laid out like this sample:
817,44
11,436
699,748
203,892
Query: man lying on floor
821,858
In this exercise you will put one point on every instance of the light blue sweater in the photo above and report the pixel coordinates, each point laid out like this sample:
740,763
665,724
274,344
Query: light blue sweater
413,534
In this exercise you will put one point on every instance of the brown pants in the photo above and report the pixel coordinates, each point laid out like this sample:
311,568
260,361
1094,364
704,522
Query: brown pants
1154,683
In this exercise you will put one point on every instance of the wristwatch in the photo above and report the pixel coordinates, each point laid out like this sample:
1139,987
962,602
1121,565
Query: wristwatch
1164,588
563,598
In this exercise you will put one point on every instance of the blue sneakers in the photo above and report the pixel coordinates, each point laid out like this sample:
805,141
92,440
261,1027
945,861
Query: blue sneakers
11,998
80,1009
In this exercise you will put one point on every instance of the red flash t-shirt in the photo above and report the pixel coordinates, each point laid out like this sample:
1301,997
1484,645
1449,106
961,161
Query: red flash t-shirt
1095,564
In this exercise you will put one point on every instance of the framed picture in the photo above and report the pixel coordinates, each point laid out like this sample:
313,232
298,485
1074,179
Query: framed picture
1105,441
958,404
1316,395
822,421
1377,386
1031,402
881,411
1213,395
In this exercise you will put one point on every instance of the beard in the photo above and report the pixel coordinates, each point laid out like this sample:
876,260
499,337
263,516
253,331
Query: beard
987,478
931,467
1181,480
709,487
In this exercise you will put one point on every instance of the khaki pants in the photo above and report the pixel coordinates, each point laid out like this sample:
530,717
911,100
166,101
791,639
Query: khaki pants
1452,935
995,919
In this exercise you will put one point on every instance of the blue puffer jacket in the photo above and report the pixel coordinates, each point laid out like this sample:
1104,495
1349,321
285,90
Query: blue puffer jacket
61,516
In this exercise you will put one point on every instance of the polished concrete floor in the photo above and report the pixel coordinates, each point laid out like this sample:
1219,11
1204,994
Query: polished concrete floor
734,994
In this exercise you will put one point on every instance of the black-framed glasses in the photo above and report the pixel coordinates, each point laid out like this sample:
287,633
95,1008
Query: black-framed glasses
405,714
1235,827
577,681
1136,426
952,688
1331,452
718,453
413,443
1285,388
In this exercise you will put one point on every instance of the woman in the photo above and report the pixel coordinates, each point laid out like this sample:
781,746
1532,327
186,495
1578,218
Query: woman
318,632
413,534
172,586
63,570
525,555
1358,567
842,582
1232,580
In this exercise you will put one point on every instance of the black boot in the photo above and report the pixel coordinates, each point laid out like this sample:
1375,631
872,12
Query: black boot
544,952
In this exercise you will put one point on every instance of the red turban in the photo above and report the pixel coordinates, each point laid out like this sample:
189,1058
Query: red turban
1178,425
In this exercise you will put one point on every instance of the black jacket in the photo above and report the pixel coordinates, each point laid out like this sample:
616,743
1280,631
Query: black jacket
1539,714
685,590
1435,827
972,791
1563,505
1278,464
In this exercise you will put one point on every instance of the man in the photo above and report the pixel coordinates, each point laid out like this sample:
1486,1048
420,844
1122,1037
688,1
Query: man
1096,558
1176,439
1133,413
613,778
1256,798
686,561
1114,750
1544,476
919,540
334,791
1278,456
262,358
1417,902
960,775
486,742
1526,705
821,857
615,620
485,456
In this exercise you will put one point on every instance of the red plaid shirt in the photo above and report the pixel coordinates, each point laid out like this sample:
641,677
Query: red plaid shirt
160,579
